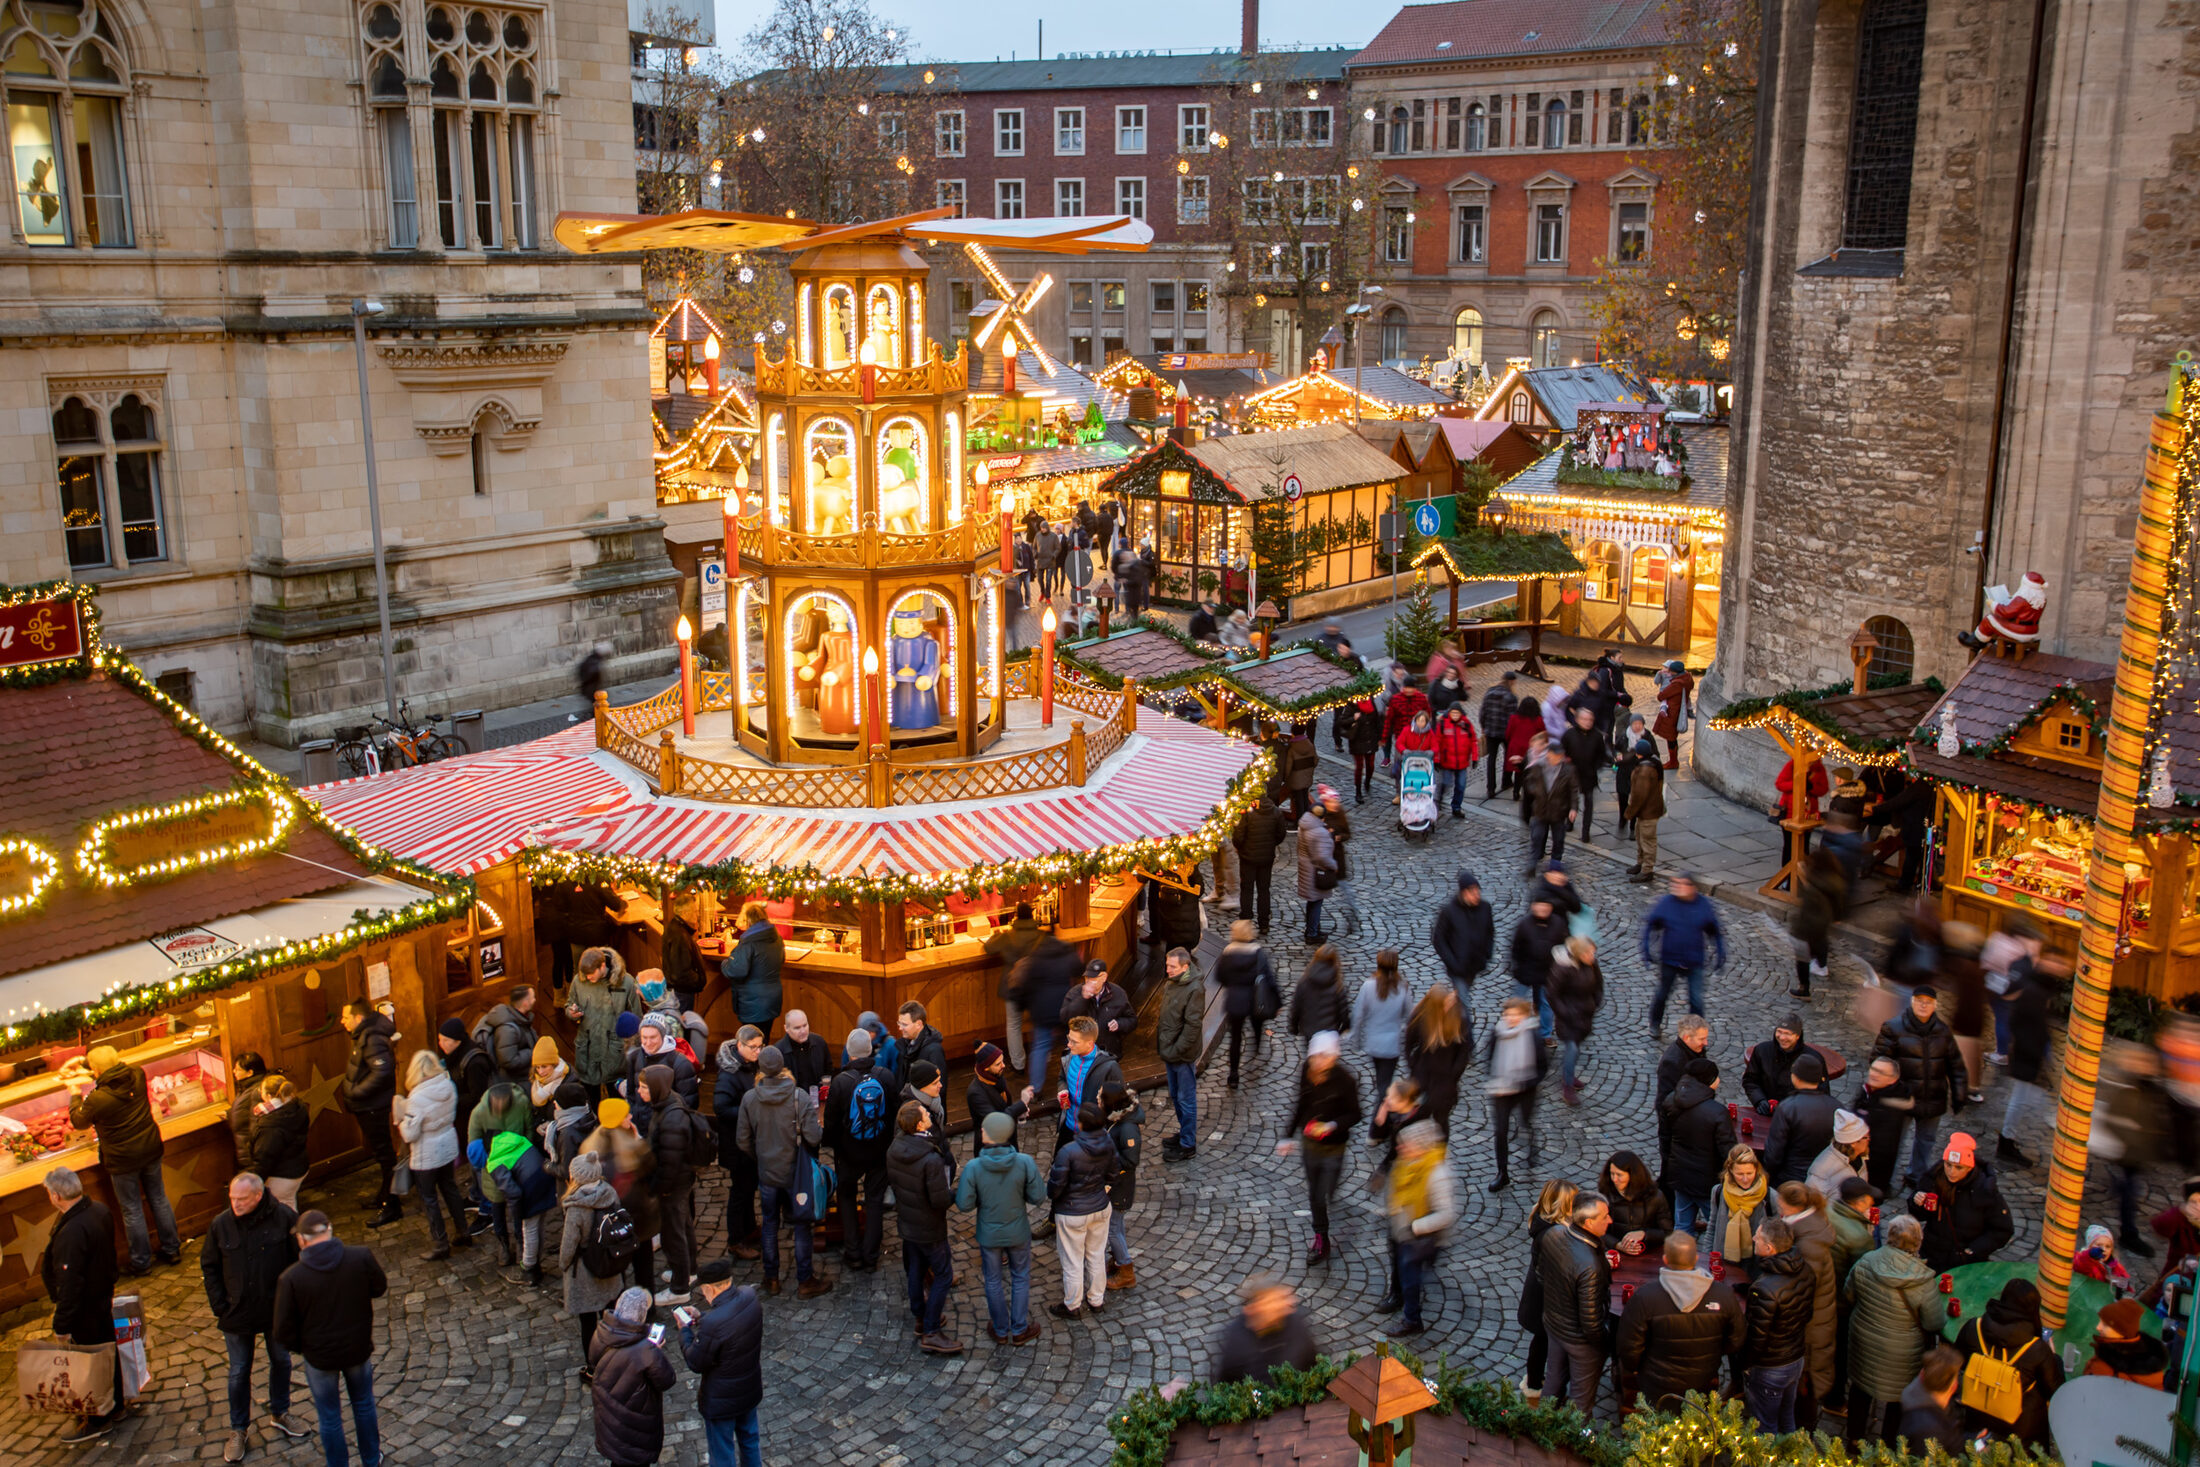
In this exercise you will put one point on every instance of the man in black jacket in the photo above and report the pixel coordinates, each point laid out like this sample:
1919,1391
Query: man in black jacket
1268,1330
989,1093
507,1033
736,1077
324,1310
1775,1347
724,1346
678,1139
109,1097
247,1248
860,1136
78,1270
658,1043
919,1040
1464,935
1676,1334
924,1192
1802,1126
1928,1407
1542,930
808,1058
1699,1135
1045,976
1884,1103
1965,1219
1577,1302
1008,947
1691,1040
1921,1042
473,1072
1767,1075
1102,1000
1259,836
370,1083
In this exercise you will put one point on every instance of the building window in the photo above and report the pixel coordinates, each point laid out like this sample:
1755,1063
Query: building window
893,134
484,97
180,684
1069,197
1069,131
1394,333
1473,233
1130,129
477,448
107,449
1161,298
1113,295
1554,124
1520,410
1191,126
1543,339
1477,122
1314,262
395,132
1191,199
1008,198
1130,197
1634,232
1008,133
1638,126
1575,119
1531,123
1451,124
1466,335
947,134
1163,344
951,193
1890,62
1401,129
1612,109
1397,235
1080,349
1550,234
65,87
1195,297
1896,652
1646,572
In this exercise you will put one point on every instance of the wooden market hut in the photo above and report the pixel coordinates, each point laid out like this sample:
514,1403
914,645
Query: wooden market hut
1546,401
1217,382
164,893
1296,682
1529,561
1344,394
2018,796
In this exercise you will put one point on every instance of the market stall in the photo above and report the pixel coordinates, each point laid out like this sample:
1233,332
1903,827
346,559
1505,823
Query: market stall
2016,747
163,893
1530,561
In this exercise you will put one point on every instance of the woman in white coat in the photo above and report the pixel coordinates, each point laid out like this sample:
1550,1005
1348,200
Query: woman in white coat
429,1127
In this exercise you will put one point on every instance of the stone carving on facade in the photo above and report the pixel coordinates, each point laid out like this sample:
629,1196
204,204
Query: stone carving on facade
459,386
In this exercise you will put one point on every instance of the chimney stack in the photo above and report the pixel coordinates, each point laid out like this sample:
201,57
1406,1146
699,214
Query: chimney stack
1249,42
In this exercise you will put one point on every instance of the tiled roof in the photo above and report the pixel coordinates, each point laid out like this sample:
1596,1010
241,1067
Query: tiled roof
1117,447
1325,456
1469,436
677,413
1143,653
2034,781
1563,390
82,748
1484,29
1215,384
1291,676
1883,715
1996,694
1131,69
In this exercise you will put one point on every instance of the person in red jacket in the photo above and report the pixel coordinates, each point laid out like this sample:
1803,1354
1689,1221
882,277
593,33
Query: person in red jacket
1458,750
1520,730
1404,703
1420,738
1784,807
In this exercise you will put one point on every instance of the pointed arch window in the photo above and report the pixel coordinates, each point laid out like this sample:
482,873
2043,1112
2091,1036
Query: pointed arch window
67,92
1890,63
483,69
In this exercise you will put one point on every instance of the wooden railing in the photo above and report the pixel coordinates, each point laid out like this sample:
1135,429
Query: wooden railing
930,377
641,735
958,544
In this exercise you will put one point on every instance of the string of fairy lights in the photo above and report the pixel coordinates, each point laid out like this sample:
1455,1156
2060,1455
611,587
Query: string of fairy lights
2179,662
94,858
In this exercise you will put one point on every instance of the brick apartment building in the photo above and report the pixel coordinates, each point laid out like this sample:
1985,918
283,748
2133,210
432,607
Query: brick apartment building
1511,138
1095,134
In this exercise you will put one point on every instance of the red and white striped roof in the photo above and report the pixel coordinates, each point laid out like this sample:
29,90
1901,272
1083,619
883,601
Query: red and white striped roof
468,814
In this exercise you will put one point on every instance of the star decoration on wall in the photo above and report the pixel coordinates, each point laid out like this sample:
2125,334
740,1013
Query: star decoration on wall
178,1182
29,1241
320,1095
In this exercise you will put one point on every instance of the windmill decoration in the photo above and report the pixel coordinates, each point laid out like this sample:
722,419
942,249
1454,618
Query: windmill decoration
1013,319
731,233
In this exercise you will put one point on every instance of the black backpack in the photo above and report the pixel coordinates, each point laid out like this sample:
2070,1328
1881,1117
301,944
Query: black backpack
606,1254
702,1140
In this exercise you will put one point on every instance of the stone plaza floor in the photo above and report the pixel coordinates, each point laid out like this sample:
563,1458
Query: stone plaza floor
476,1367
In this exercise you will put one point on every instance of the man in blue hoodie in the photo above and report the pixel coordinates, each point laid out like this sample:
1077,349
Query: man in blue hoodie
1681,921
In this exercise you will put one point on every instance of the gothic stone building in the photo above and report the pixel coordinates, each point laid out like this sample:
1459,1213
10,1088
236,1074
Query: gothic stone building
1970,264
201,192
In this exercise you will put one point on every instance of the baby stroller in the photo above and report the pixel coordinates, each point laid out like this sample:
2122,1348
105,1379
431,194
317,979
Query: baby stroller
1416,795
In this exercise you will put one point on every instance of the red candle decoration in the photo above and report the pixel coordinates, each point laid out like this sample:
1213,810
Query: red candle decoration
1046,667
1183,405
685,635
733,532
980,476
867,370
873,733
710,363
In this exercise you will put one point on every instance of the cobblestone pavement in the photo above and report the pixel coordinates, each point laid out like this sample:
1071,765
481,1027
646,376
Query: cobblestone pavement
477,1367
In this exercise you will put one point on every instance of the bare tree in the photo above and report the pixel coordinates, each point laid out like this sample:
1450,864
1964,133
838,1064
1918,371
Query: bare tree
1279,180
679,133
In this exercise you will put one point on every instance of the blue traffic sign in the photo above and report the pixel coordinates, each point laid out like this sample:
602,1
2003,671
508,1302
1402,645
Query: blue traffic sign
1426,520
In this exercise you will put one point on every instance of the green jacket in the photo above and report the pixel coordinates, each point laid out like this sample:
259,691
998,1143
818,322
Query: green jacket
1895,1312
599,1055
998,1187
1183,1016
1852,1238
483,1127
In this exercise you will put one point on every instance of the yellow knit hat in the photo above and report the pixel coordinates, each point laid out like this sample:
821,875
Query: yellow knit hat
546,1051
611,1113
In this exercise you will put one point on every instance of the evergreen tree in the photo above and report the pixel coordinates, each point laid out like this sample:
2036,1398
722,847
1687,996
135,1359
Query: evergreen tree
1413,633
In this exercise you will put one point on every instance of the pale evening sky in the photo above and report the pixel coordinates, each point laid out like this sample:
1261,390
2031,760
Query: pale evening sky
959,30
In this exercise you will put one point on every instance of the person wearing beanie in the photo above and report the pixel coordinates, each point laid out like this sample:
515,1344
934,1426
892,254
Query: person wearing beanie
1102,1000
1320,1128
990,1094
737,1059
924,1190
682,1143
2009,1331
1078,1183
1464,935
631,1374
724,1346
1126,1129
109,1097
859,1127
2122,1349
1643,806
628,1164
658,1044
546,1073
627,1026
1247,977
1768,1073
778,1118
1802,1127
1259,835
926,1082
999,1186
587,1199
572,1120
507,1033
1965,1219
1850,1212
473,1072
1846,1156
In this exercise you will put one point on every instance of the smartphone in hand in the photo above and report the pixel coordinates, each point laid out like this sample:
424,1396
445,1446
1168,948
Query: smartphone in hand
657,1335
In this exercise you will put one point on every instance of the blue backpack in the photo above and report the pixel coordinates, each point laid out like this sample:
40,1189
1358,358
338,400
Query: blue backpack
867,1110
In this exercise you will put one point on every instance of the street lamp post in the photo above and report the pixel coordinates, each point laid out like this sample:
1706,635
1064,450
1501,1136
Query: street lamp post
1362,311
360,310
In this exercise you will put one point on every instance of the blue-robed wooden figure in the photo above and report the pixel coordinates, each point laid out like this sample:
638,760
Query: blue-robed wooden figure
916,660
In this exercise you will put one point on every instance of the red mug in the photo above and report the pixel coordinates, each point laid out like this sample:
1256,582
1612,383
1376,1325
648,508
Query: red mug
1718,1270
1733,1111
1955,1308
1875,1217
1611,1256
1626,1293
1932,1201
1717,1257
1947,1283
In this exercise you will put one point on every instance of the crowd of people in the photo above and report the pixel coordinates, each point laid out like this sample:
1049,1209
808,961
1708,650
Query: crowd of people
1799,1257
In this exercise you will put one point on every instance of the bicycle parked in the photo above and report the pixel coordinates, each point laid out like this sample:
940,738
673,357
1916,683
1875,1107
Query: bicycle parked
385,745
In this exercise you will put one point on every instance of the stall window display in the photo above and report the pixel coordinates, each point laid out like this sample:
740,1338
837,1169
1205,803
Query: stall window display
824,676
884,332
920,650
829,457
776,466
2021,850
840,325
903,503
185,1076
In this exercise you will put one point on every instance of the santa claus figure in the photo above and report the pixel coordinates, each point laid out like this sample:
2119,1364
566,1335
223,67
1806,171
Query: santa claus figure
2014,620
